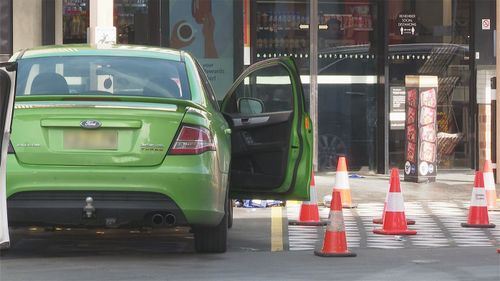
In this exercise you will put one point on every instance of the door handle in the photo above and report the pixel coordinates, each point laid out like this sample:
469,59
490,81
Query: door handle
227,131
250,120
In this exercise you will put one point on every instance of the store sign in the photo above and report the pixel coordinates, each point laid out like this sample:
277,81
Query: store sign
407,24
397,108
486,24
421,128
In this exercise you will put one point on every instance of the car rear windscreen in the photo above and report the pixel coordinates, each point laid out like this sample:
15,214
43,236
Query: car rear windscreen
103,76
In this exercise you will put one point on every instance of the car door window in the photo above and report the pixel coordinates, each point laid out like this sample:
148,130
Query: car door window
271,86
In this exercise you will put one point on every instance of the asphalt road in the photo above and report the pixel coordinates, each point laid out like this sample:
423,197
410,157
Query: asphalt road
168,255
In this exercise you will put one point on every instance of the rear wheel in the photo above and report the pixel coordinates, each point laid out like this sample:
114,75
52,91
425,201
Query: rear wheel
230,218
212,239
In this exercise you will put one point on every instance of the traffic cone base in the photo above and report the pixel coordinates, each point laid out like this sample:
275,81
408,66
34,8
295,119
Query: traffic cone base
309,212
346,254
394,219
309,216
490,225
380,221
478,210
351,206
395,232
333,249
308,223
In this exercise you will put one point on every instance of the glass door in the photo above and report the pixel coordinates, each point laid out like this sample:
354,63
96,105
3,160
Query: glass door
347,83
75,21
431,38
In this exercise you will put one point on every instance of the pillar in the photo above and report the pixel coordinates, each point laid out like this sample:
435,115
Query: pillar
497,117
101,29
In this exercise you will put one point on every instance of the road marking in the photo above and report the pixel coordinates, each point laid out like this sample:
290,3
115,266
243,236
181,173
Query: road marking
276,229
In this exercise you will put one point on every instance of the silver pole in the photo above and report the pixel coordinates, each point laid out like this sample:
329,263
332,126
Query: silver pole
497,117
313,74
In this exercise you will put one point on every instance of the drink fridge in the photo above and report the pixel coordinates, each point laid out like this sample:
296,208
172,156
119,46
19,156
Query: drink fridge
278,29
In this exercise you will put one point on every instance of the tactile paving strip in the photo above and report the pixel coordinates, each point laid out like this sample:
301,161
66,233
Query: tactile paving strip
437,225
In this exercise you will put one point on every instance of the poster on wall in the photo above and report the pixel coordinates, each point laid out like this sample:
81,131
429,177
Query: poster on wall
397,108
205,28
421,128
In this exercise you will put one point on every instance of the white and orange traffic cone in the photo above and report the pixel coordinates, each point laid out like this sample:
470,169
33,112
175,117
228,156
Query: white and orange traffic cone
394,219
478,211
381,220
309,212
342,183
335,241
489,186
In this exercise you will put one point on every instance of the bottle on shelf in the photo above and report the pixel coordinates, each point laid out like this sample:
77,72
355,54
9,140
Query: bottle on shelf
265,18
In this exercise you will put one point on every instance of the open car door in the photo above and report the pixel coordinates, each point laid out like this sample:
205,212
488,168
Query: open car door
7,89
271,136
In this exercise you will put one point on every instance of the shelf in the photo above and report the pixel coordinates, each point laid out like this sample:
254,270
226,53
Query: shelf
271,55
267,28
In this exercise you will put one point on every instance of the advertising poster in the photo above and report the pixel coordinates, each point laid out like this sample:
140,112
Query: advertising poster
397,108
421,129
205,29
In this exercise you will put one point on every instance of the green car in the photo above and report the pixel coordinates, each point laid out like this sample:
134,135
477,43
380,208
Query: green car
132,136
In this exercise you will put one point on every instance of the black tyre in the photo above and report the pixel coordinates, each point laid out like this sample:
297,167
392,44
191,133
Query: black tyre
230,211
212,239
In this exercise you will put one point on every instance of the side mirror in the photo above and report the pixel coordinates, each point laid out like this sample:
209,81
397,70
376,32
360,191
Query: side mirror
250,106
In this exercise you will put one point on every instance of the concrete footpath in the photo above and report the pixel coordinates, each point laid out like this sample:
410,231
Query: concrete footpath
373,187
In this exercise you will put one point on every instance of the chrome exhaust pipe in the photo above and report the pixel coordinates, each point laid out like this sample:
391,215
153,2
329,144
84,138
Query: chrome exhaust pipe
170,219
157,220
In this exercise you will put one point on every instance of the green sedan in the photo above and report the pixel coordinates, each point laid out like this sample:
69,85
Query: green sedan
132,136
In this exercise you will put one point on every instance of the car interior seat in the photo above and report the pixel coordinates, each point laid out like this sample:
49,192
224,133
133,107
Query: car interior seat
49,83
162,87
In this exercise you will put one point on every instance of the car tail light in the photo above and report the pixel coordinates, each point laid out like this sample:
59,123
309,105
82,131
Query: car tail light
10,150
192,140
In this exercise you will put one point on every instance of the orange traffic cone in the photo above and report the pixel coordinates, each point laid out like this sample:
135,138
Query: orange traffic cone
335,242
498,250
309,212
394,216
342,183
381,220
478,211
489,186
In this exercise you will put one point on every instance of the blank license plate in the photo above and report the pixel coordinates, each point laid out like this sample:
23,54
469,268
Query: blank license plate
91,139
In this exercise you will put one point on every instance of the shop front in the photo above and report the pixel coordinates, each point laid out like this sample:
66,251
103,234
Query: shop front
362,53
354,57
206,28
